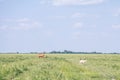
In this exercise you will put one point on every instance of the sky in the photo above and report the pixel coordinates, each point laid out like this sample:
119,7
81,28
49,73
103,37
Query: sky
48,25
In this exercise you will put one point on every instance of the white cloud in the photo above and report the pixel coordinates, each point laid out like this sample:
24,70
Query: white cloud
23,20
117,26
6,20
58,17
78,25
76,35
77,15
104,34
76,2
15,20
117,12
44,2
84,15
3,27
48,33
19,24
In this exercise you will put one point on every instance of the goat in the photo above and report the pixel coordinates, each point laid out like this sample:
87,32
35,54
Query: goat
41,55
83,61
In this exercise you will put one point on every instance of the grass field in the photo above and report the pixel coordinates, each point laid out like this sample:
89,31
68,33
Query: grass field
59,67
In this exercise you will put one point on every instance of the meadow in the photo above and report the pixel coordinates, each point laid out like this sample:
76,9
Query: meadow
59,67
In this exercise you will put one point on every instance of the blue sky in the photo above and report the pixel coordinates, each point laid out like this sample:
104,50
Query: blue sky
47,25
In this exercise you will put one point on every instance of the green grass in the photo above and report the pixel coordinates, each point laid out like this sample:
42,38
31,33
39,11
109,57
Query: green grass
59,67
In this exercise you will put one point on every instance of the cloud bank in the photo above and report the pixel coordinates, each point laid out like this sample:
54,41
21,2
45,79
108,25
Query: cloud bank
76,2
19,24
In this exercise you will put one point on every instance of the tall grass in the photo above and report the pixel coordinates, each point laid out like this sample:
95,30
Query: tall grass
59,67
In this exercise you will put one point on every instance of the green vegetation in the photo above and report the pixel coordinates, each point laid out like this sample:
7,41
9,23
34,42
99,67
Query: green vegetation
59,67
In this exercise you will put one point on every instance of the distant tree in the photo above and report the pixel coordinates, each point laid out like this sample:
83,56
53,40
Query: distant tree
67,51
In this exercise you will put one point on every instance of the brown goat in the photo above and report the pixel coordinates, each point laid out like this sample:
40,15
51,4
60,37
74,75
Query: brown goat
41,55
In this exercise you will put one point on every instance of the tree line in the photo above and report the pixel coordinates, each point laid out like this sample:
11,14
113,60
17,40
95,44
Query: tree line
61,52
73,52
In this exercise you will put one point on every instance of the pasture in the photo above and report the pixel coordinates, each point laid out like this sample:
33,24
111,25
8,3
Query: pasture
59,67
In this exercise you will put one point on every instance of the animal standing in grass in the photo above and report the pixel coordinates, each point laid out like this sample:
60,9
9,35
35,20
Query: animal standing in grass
41,55
83,61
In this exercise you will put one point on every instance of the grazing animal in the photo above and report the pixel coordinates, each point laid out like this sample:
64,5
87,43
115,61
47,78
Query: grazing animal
41,55
83,61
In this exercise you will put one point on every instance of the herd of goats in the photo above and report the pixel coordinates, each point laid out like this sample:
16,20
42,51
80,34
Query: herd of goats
42,55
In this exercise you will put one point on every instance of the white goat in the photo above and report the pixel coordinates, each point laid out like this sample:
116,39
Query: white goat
83,61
